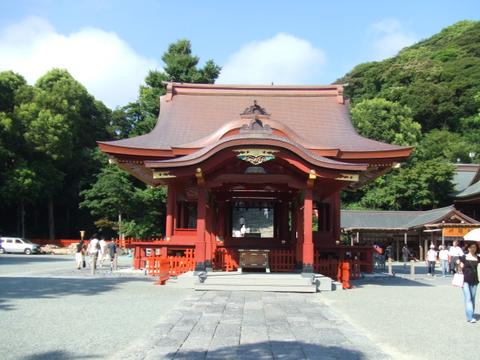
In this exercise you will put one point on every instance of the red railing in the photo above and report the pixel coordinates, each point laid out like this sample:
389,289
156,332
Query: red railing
327,267
282,260
225,259
177,265
181,264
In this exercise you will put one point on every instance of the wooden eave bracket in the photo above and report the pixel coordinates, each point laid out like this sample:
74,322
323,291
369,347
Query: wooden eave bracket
199,176
311,179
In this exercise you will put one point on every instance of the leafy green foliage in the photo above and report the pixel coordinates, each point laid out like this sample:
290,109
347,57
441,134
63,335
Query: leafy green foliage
386,121
436,78
435,83
180,66
422,186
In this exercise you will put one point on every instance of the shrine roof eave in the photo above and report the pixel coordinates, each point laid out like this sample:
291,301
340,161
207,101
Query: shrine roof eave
242,141
169,152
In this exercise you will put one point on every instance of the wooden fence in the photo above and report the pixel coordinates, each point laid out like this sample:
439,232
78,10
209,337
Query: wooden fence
225,260
282,260
177,265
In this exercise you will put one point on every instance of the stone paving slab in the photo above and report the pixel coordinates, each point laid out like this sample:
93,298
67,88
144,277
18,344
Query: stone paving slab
252,325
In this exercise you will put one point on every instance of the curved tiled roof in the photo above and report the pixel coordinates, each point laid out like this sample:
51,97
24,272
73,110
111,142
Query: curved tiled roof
255,139
472,190
318,115
400,220
464,175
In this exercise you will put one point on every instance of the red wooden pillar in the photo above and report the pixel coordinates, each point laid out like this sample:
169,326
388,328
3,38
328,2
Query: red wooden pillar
221,219
335,217
307,251
170,210
200,242
208,238
284,225
298,236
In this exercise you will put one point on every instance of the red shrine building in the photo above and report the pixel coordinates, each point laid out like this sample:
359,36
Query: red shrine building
254,167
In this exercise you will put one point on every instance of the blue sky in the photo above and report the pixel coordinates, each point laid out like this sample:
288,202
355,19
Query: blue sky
109,45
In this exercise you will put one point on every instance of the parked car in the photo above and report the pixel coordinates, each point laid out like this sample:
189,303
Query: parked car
17,245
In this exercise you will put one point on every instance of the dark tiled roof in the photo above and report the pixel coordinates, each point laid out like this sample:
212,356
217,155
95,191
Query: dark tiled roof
472,190
401,220
318,115
463,176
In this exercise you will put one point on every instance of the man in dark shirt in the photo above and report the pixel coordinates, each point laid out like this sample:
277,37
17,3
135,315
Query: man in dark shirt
112,251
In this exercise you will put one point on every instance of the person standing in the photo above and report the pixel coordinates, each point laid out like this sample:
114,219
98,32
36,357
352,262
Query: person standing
443,256
405,255
431,260
79,254
469,265
112,252
454,253
103,251
389,252
93,249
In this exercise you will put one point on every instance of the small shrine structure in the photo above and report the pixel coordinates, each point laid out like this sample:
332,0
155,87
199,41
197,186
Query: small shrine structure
254,168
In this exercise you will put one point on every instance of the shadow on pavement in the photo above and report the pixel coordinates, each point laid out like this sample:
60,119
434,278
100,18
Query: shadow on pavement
57,355
389,281
49,288
271,350
21,259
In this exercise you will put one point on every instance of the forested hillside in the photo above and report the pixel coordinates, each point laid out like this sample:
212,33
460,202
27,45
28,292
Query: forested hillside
428,96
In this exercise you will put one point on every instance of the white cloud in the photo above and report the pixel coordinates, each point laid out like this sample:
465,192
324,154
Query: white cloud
282,59
104,63
388,37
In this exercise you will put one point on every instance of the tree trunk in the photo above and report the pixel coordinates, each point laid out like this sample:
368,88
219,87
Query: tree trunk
67,220
51,219
120,236
19,225
22,217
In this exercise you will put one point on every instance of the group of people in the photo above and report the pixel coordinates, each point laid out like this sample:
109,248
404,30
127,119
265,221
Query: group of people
448,258
98,251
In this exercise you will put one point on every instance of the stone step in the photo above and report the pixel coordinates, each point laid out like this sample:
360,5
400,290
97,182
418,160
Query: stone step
255,287
268,281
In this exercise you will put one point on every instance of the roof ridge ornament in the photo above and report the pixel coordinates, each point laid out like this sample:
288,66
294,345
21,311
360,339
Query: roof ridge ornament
256,114
254,109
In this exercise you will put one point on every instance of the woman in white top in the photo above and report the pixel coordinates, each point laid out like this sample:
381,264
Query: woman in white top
443,256
454,252
431,259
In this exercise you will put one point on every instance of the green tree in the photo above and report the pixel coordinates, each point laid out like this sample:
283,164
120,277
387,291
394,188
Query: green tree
444,145
180,66
147,219
420,186
437,78
109,198
386,121
60,122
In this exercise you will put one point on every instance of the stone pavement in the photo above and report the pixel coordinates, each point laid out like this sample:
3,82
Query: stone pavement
252,325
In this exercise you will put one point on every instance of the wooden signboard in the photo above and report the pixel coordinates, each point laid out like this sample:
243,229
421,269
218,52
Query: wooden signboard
457,231
254,259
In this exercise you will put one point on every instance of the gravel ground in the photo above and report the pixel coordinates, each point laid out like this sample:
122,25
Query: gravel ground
422,318
49,310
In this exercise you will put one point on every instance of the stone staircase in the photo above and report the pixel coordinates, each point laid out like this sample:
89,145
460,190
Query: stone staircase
235,281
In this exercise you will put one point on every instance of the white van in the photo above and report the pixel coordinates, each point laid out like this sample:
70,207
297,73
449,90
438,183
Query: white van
17,245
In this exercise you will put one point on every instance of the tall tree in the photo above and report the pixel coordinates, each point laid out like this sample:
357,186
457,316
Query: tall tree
61,121
180,66
387,121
